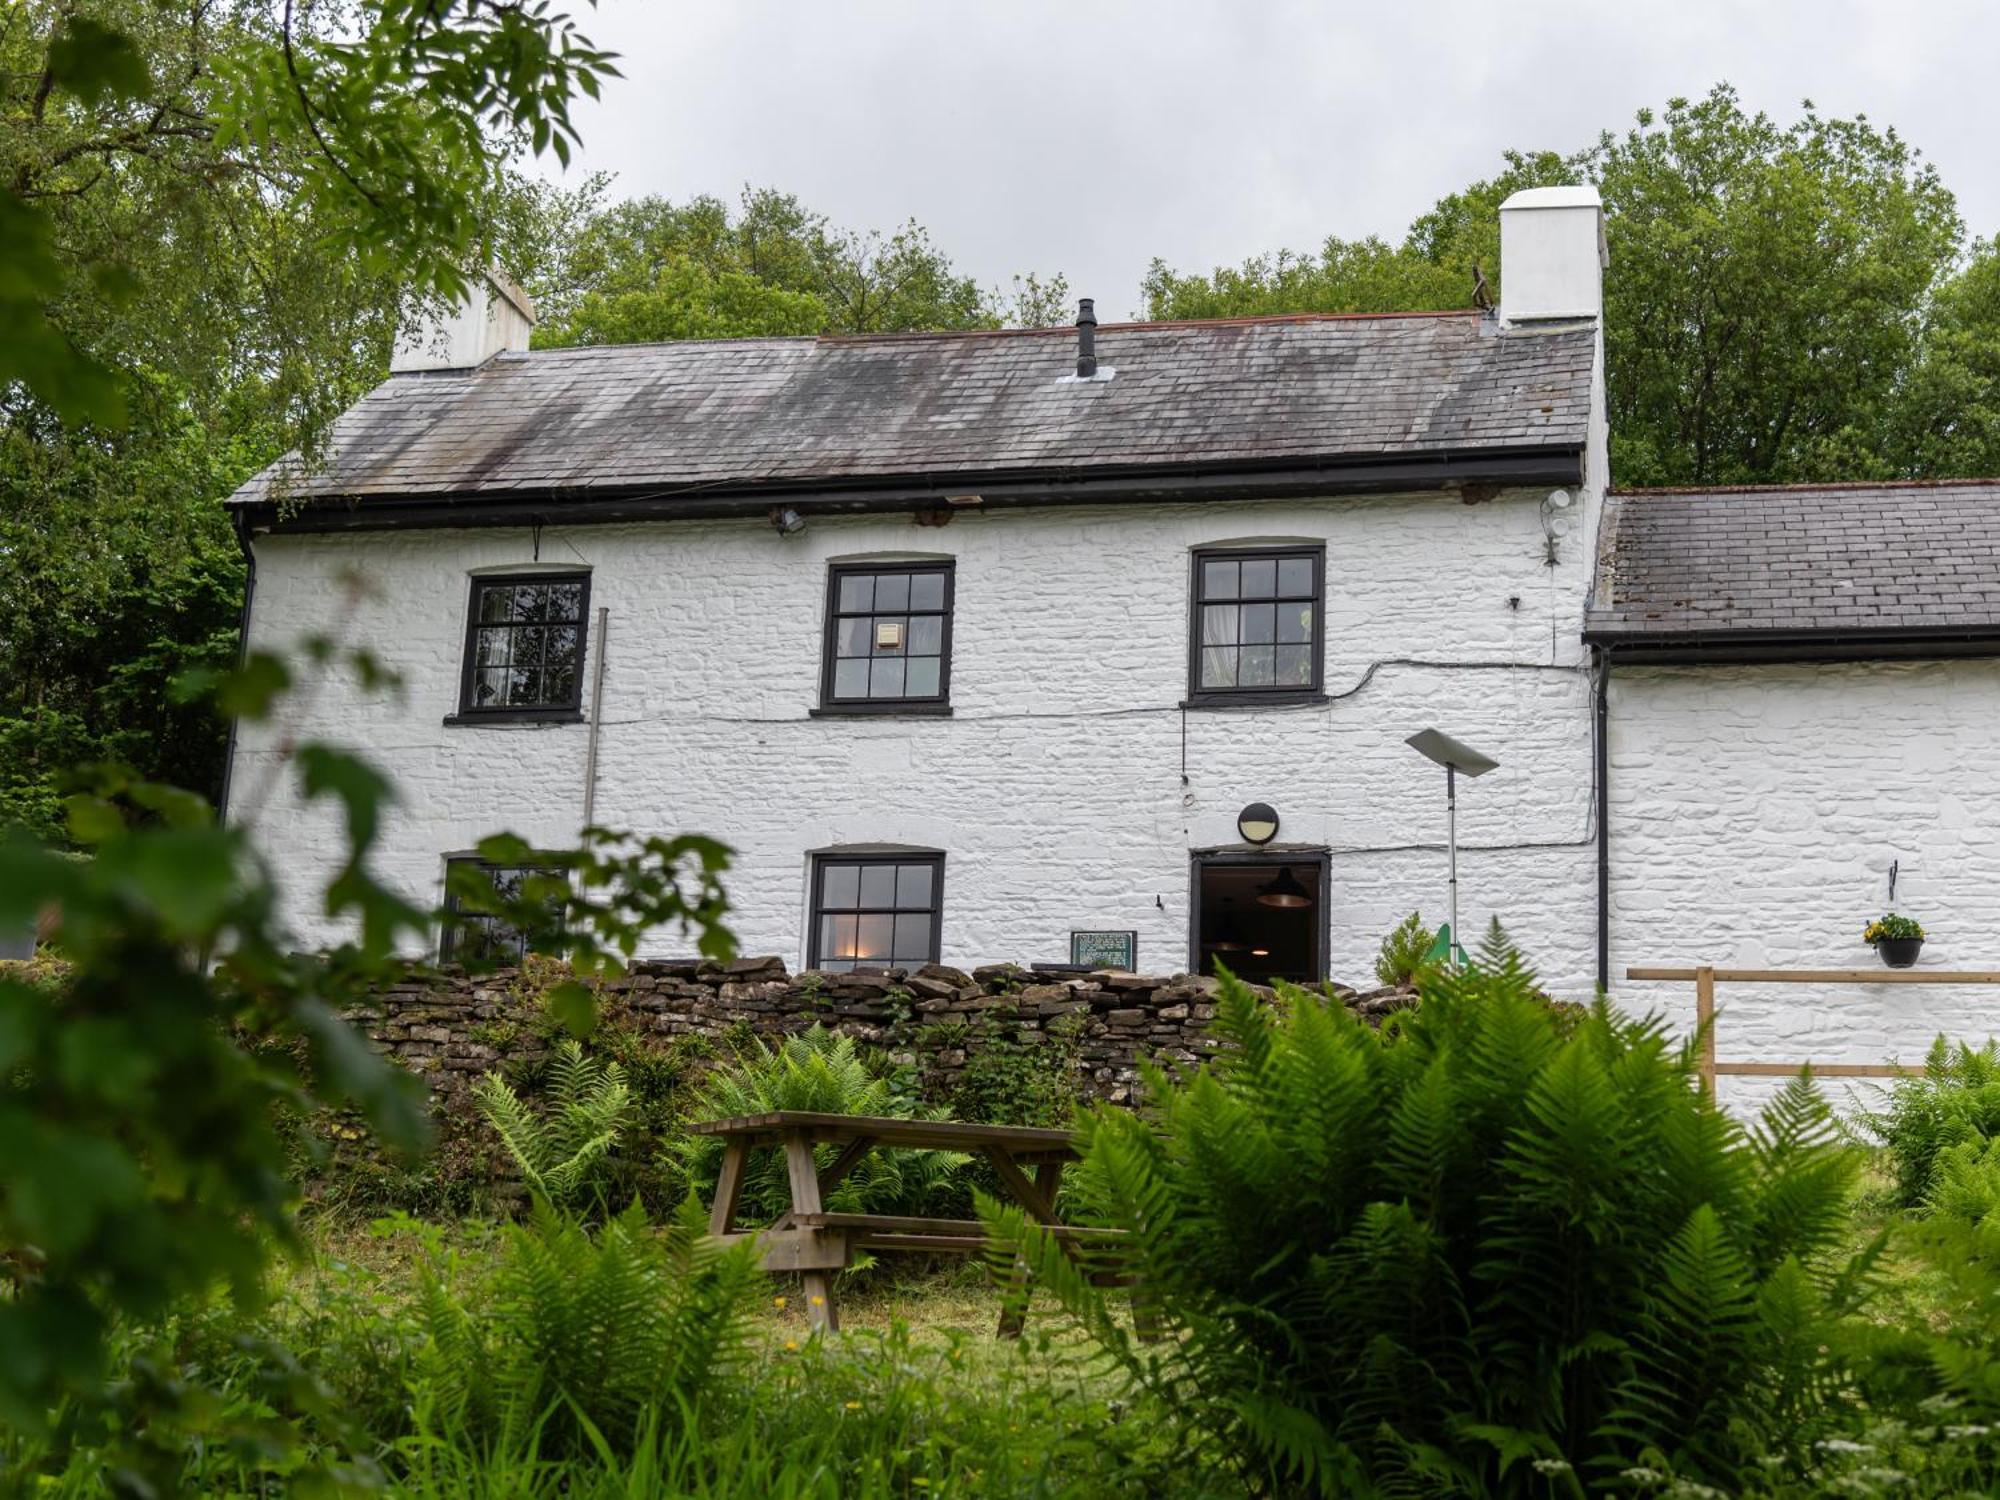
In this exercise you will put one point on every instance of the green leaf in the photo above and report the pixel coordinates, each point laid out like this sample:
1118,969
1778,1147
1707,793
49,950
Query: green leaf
573,1006
94,61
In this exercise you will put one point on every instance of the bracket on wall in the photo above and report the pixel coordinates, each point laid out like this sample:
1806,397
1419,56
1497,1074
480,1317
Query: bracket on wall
1894,866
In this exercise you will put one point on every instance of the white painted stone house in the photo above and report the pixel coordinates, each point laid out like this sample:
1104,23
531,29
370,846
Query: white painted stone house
968,643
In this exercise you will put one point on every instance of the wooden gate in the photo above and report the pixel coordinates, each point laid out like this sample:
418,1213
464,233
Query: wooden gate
1706,978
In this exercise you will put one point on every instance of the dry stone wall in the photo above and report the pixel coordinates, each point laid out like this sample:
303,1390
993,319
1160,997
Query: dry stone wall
449,1027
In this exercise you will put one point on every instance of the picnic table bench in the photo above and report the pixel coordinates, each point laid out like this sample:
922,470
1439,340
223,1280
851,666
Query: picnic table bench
815,1243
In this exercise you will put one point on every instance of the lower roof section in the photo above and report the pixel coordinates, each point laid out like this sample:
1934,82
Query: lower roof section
1821,572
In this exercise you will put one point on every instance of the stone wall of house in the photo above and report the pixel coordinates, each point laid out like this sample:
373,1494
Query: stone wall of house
1071,781
449,1028
1756,813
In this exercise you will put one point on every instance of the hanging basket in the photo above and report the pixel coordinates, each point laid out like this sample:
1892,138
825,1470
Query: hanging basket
1899,953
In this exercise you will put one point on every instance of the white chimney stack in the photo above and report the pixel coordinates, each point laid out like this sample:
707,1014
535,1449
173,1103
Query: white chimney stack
1552,255
496,316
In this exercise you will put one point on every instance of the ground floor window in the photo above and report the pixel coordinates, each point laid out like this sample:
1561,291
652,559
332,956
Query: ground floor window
473,936
875,911
1263,916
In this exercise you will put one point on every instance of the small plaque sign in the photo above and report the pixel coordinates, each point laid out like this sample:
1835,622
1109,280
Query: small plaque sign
1104,950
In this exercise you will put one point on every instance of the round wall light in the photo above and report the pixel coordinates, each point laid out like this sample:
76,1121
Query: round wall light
1258,823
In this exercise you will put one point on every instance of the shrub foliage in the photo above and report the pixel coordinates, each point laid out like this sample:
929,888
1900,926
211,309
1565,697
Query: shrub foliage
1492,1248
1955,1101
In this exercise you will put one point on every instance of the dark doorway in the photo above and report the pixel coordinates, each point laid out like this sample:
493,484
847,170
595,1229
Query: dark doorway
1263,915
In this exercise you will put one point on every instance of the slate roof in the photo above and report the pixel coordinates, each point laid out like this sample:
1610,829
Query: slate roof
1762,563
751,412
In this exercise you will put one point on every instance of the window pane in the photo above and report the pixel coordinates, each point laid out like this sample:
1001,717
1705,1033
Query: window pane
857,591
1218,580
489,688
850,636
523,685
892,591
1218,666
490,648
839,886
529,644
530,601
1256,667
1260,578
927,635
565,601
1258,622
1295,666
891,635
1218,625
850,678
913,887
561,646
878,885
1295,576
559,685
877,937
885,677
1295,622
927,591
495,602
913,939
922,678
836,939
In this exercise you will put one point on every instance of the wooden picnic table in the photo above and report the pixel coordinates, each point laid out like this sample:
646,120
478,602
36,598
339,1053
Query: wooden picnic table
809,1240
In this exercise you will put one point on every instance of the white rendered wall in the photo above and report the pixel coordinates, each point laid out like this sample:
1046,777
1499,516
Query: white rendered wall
1056,788
1755,812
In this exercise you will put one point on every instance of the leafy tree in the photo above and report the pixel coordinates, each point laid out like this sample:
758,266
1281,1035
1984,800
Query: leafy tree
1784,301
143,1096
648,269
220,210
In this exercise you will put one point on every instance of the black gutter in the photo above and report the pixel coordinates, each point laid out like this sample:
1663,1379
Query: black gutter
598,505
241,525
1602,752
1749,646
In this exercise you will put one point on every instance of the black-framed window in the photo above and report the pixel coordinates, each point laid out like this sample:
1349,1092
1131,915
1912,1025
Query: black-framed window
483,937
888,636
1258,626
524,645
876,911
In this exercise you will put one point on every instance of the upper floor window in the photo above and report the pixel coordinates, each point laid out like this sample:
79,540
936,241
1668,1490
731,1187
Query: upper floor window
1256,628
877,911
524,645
474,936
888,636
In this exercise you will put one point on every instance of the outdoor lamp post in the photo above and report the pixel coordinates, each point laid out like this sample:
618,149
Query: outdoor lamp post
1436,745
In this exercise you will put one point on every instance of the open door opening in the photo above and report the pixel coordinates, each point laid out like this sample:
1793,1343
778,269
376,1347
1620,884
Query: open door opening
1263,916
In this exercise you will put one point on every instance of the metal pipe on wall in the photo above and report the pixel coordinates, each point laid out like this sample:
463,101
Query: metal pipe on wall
596,719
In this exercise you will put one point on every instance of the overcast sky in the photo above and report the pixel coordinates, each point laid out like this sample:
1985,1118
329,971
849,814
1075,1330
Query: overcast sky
1088,138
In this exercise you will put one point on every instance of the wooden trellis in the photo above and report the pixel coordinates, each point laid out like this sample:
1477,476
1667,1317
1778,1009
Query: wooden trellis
1705,979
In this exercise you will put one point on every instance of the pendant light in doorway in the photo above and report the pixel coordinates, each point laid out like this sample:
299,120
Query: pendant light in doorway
1285,892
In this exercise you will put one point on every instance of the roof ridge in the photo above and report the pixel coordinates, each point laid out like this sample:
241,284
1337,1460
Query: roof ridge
1134,325
1802,488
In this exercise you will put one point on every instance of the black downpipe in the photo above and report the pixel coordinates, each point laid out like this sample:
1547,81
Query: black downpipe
1602,751
242,529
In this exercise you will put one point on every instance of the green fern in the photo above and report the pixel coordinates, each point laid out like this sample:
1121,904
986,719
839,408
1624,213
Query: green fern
570,1331
1405,951
562,1152
1494,1247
